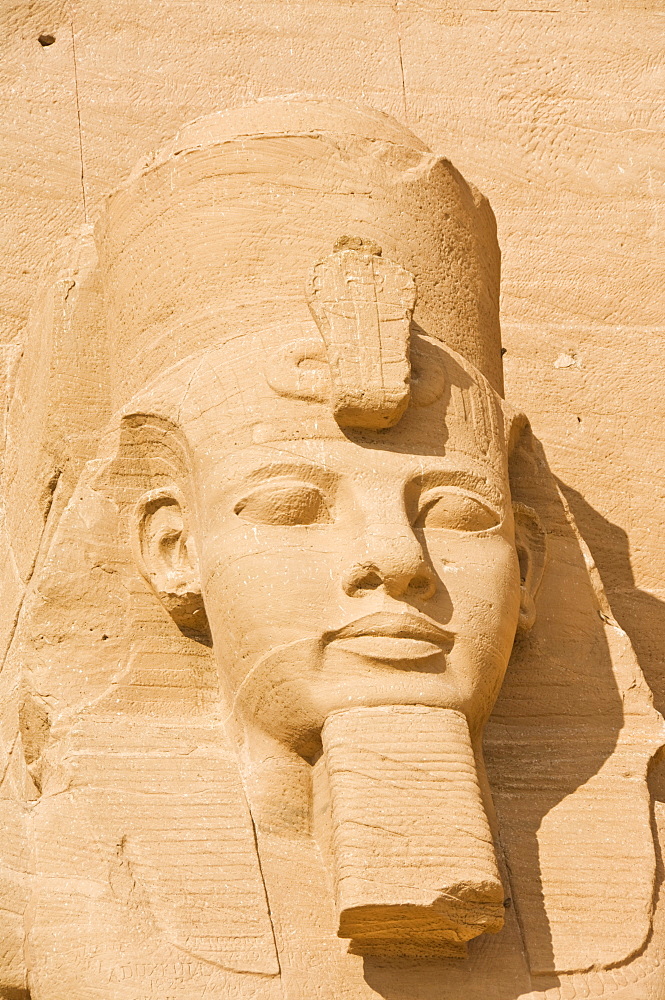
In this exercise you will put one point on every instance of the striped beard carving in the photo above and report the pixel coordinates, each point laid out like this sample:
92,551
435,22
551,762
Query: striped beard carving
411,849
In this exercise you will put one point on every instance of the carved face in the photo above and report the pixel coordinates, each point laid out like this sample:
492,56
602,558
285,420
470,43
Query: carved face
334,576
342,569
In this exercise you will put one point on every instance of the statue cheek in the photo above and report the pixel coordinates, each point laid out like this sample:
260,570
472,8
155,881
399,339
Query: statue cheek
262,590
478,572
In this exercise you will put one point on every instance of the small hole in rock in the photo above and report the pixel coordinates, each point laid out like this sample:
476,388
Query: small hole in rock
104,637
579,420
46,39
504,350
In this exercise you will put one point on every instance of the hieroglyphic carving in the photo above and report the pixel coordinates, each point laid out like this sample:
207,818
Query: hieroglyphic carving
363,306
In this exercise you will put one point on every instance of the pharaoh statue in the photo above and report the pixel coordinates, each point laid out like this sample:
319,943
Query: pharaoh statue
313,690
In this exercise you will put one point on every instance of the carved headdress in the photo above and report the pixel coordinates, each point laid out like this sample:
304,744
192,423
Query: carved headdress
248,201
289,226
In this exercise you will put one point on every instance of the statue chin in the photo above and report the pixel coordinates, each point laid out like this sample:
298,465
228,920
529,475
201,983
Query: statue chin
290,692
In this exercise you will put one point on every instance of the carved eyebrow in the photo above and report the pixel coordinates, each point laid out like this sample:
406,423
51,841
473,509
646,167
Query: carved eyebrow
299,468
431,478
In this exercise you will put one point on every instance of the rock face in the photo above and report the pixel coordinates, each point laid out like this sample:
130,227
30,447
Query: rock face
311,683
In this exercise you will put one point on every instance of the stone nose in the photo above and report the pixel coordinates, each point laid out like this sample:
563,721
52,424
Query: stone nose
391,557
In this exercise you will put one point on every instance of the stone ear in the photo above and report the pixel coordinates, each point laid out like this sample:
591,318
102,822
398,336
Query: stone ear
166,556
530,536
531,544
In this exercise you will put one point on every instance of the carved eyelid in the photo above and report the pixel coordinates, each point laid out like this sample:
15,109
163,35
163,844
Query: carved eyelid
276,483
429,497
434,492
264,503
466,483
277,474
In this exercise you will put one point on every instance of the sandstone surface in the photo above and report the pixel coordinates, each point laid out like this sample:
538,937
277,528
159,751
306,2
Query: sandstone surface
265,729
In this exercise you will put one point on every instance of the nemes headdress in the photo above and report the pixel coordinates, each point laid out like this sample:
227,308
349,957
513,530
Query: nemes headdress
324,233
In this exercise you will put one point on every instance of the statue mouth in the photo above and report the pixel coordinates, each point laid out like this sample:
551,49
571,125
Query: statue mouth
390,637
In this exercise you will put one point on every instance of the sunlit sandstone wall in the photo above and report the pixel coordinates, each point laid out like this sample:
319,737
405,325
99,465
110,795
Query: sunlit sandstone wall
554,108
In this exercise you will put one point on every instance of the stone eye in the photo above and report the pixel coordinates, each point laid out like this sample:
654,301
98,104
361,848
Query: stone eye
284,503
454,510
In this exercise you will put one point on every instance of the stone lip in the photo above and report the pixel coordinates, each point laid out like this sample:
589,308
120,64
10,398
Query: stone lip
399,626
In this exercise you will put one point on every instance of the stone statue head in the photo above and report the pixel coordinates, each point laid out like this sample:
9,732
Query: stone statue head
312,531
342,530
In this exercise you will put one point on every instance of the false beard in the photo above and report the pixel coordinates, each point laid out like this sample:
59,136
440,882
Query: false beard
410,845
